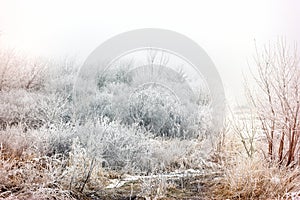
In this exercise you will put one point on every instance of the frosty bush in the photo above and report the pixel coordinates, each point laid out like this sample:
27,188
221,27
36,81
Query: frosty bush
60,77
19,107
83,170
28,172
33,109
151,106
17,71
155,110
123,148
276,100
34,92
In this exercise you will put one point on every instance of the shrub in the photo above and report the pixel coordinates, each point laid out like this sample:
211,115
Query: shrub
20,72
152,108
123,148
27,172
32,109
277,101
244,176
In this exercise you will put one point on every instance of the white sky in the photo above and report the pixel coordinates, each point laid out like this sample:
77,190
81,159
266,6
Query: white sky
225,29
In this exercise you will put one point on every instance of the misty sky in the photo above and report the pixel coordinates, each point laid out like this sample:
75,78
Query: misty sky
225,29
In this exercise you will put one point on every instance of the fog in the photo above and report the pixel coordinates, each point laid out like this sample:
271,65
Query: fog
226,30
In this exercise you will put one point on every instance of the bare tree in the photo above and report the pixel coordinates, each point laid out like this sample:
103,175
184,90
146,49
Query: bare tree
277,100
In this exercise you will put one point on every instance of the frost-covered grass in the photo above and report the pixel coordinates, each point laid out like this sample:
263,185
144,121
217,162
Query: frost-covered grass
68,161
244,177
77,161
27,172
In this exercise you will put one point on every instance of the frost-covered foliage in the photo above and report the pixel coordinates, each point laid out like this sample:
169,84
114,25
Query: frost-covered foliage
33,109
49,151
60,77
276,100
127,149
27,172
47,99
120,147
83,169
20,72
57,160
45,96
157,111
151,106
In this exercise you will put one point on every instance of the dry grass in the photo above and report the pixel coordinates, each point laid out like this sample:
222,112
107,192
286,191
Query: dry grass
30,176
26,172
254,179
244,177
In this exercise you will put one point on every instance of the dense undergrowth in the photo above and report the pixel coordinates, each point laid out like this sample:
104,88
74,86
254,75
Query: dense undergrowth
50,151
